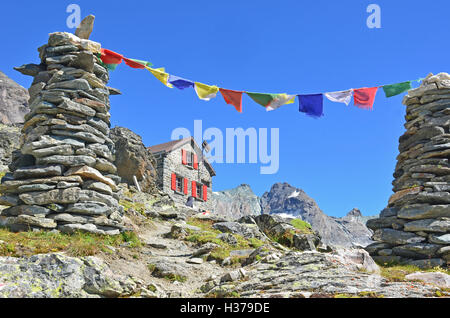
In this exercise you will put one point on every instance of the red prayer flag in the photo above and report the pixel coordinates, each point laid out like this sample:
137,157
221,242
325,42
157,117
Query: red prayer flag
365,97
133,64
233,98
110,57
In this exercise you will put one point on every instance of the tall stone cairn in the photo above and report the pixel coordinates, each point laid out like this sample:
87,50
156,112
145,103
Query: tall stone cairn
65,178
415,227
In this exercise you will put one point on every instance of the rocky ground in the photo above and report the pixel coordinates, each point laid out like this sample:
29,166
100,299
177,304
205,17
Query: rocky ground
186,254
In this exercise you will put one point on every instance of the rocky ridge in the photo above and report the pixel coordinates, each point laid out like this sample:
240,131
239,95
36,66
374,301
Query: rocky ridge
237,202
182,255
285,199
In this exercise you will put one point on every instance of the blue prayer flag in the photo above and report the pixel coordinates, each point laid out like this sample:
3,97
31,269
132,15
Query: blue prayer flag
179,82
312,105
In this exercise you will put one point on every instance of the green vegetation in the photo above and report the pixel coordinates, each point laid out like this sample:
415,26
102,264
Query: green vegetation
287,238
397,273
223,294
175,278
77,244
138,207
171,277
208,234
302,226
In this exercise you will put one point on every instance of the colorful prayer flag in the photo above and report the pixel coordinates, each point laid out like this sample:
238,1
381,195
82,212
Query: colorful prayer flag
110,57
232,98
365,97
137,63
205,92
271,101
312,104
161,75
396,89
340,96
179,82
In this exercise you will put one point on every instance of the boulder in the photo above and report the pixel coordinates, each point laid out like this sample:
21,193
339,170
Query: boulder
133,159
435,278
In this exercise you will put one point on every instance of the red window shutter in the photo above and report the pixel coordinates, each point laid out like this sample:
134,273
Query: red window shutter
194,189
185,186
205,193
195,162
174,181
183,157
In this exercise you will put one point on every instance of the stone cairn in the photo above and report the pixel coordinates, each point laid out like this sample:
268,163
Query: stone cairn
65,178
415,227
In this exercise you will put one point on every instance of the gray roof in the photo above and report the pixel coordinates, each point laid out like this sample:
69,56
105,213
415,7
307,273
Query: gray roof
175,144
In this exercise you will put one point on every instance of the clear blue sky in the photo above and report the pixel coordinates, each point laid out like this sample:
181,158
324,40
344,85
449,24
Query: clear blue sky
343,160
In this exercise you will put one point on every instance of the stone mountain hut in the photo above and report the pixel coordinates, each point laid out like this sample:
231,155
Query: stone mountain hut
182,171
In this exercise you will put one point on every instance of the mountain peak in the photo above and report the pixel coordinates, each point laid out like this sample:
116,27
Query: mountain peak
355,212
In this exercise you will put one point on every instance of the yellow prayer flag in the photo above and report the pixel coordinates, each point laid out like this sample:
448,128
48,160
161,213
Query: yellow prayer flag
205,92
160,74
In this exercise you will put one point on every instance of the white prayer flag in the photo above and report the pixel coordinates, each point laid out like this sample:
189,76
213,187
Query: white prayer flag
340,97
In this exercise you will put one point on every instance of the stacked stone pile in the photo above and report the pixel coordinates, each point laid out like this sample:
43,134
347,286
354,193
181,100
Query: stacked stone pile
415,227
65,178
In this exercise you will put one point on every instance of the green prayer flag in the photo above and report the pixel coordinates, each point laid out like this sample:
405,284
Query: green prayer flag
262,99
145,63
395,89
111,67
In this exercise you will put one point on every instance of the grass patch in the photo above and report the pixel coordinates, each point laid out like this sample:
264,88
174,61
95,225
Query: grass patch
209,235
397,273
138,207
302,226
77,244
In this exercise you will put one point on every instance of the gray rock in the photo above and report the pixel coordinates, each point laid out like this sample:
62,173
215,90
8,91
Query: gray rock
424,211
9,143
60,276
67,160
133,159
32,210
77,84
427,263
205,249
416,250
396,237
235,203
89,208
36,221
322,275
440,239
306,242
285,199
428,225
435,278
99,187
385,222
9,200
35,187
65,196
38,172
195,260
245,230
76,108
13,101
